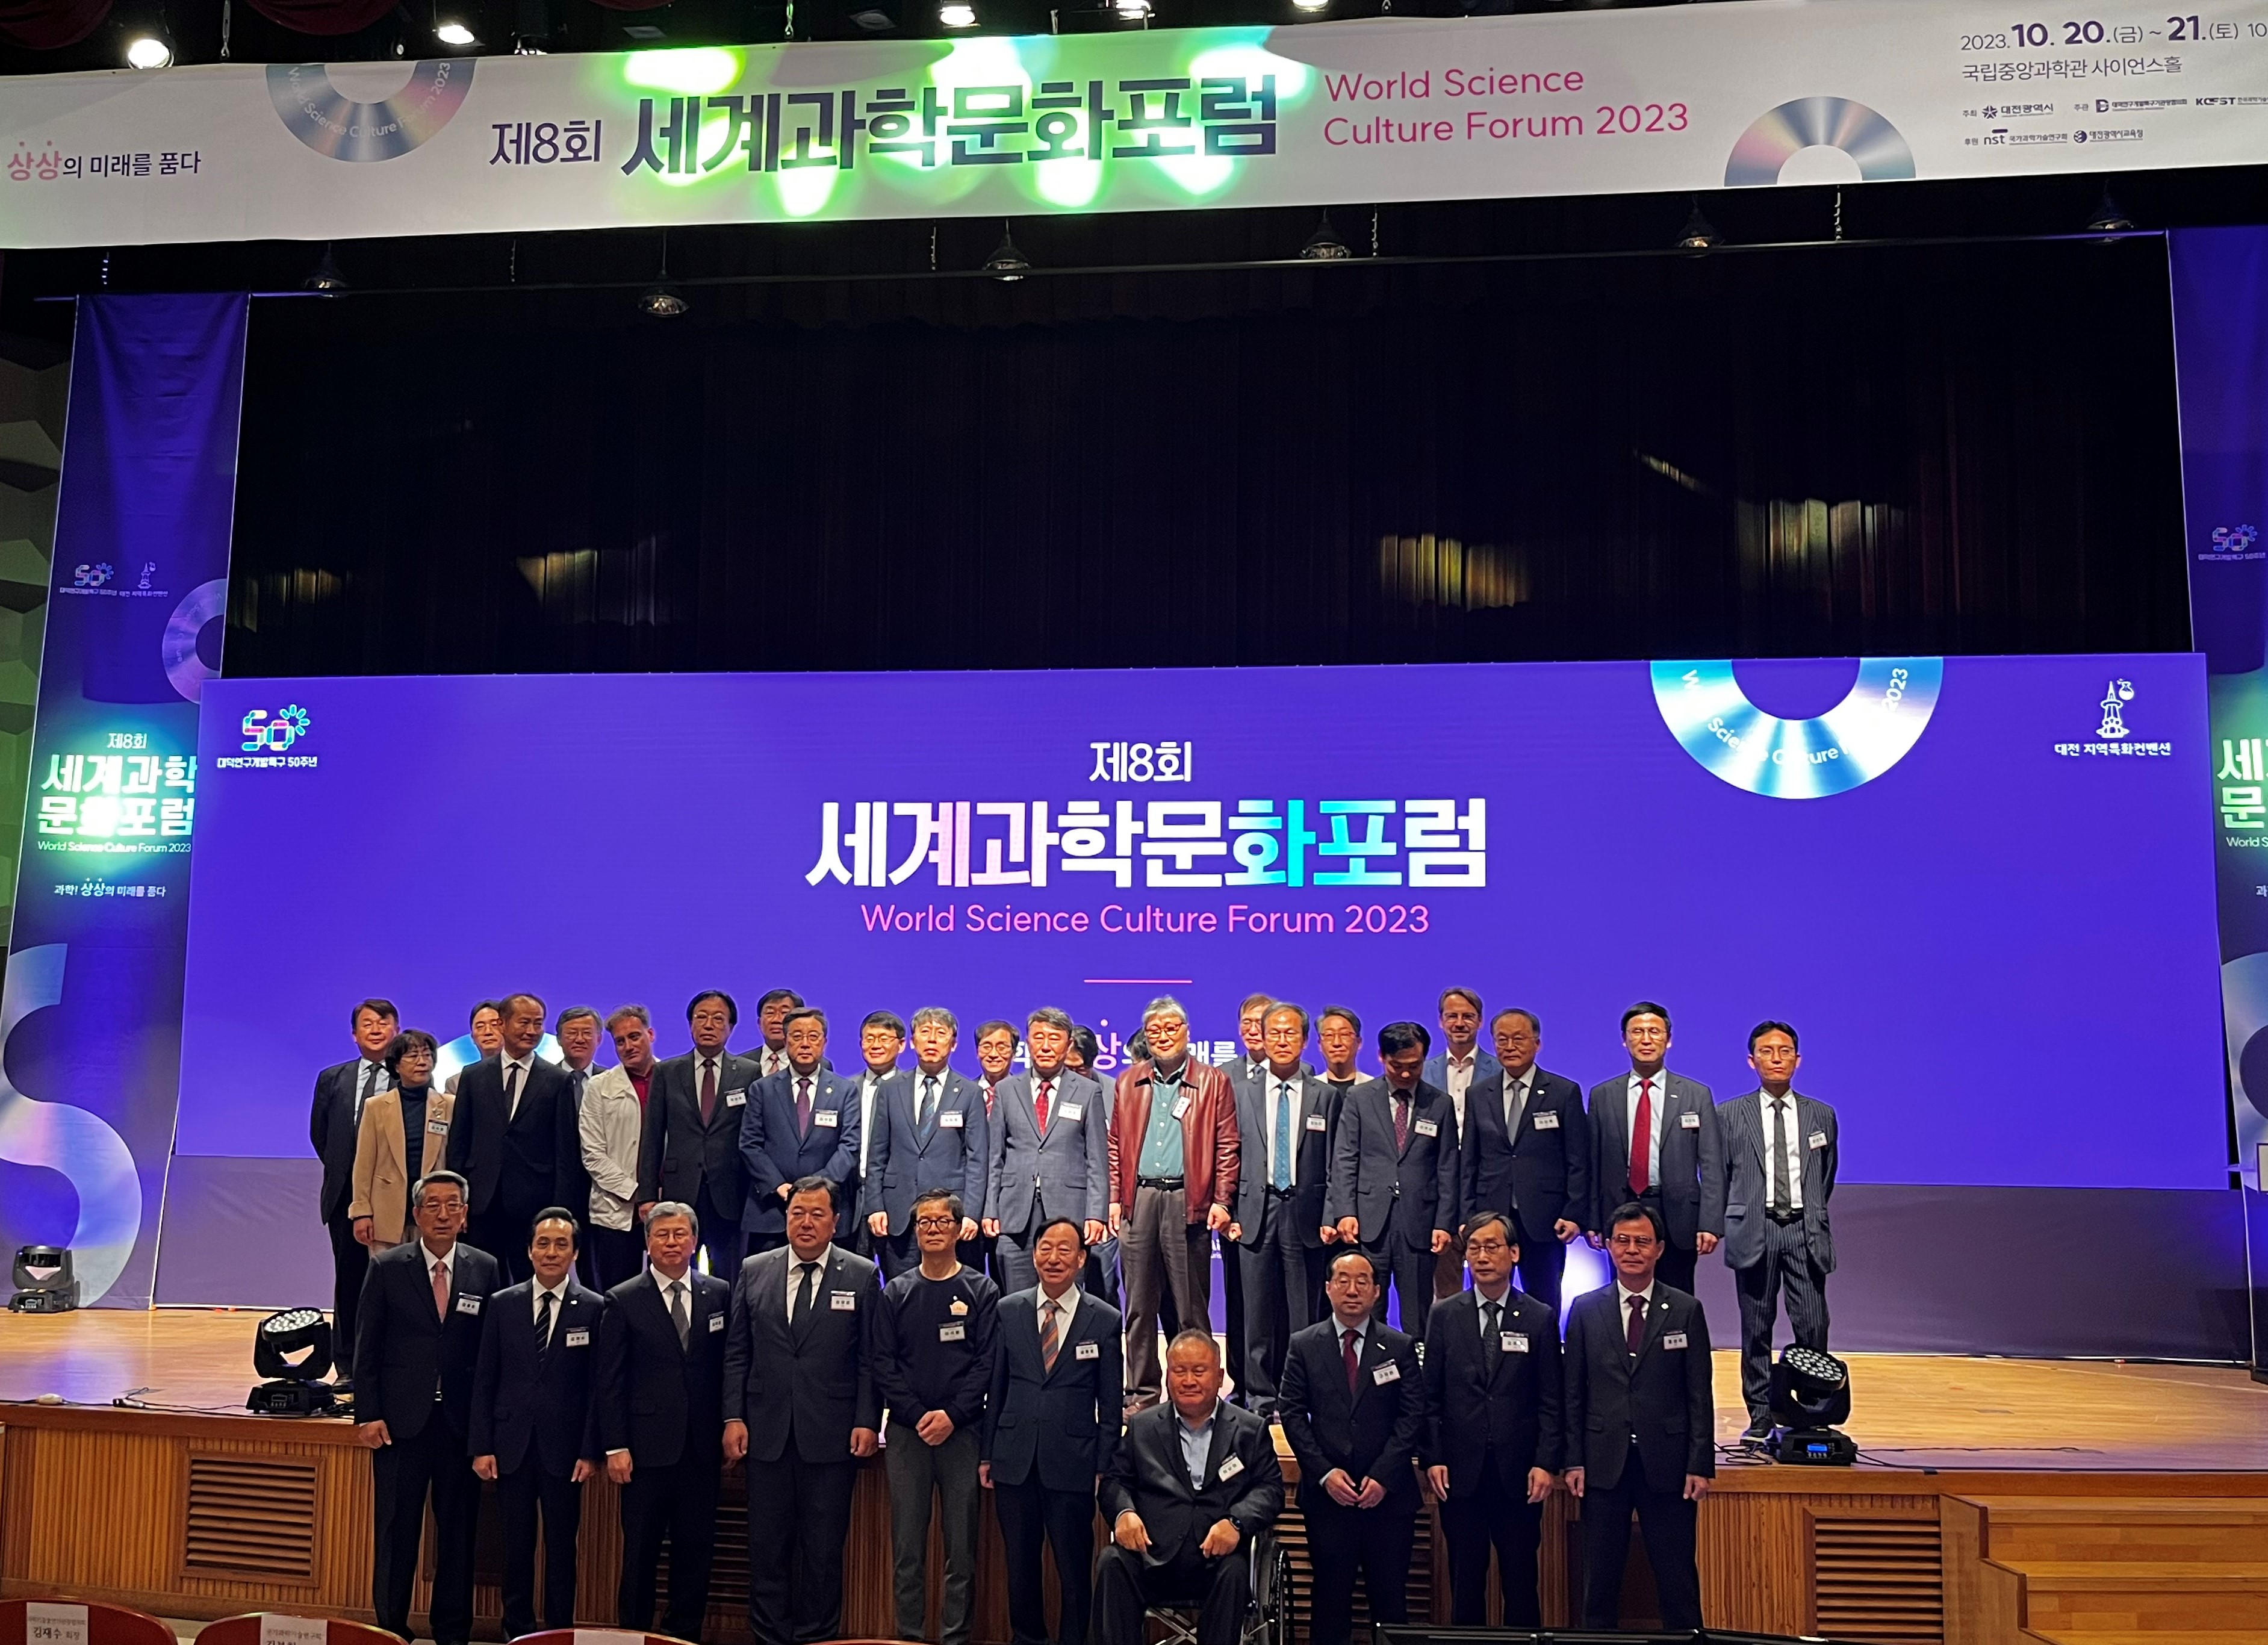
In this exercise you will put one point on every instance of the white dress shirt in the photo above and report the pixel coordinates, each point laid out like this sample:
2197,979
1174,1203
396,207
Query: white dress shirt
1066,1311
1279,1091
1791,1142
1654,1138
1503,1306
823,1262
558,1295
707,1062
1623,1295
770,1062
505,1064
869,1083
448,1263
1516,1091
362,1072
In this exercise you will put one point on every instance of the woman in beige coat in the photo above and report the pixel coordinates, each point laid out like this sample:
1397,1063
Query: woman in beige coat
383,1168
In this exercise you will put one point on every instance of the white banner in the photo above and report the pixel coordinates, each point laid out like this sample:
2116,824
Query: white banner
1684,98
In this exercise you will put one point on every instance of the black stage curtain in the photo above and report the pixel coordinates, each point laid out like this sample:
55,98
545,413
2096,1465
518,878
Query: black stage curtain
1832,450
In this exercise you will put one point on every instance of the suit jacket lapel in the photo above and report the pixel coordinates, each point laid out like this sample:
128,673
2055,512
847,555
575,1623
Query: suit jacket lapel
1217,1450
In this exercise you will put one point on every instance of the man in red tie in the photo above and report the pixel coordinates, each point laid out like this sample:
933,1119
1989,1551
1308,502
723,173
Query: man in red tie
1050,1138
690,1150
1656,1140
1641,1425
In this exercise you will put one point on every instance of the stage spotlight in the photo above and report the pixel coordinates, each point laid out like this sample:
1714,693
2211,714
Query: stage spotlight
873,19
662,301
1810,1393
1324,245
1006,262
1311,5
45,1283
957,16
1131,10
149,51
451,29
293,1349
1699,235
326,281
2107,219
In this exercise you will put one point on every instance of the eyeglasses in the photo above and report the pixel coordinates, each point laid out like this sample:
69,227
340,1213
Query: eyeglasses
936,1222
1629,1242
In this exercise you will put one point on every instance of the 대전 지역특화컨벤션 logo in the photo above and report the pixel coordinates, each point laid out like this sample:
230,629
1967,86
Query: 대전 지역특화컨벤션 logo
2112,735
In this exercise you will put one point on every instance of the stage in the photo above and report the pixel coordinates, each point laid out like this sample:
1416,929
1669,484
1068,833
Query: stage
2092,1501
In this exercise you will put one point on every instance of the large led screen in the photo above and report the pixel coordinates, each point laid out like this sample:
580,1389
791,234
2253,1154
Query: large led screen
1981,888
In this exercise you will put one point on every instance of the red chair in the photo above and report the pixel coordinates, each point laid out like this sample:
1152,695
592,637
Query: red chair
596,1636
106,1625
245,1630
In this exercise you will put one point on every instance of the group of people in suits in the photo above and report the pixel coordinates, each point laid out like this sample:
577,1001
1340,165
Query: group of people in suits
978,1199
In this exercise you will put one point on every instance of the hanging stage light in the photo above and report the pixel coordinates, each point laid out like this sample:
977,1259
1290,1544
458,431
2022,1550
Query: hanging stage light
1324,245
1006,262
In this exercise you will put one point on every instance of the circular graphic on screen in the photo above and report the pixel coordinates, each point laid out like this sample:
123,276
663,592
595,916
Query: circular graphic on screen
178,649
2244,1009
332,123
1855,742
1811,122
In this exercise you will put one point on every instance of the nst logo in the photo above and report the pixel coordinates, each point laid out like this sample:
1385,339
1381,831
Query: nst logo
267,733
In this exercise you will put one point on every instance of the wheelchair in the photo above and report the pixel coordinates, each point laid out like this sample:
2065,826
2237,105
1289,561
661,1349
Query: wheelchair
1268,1621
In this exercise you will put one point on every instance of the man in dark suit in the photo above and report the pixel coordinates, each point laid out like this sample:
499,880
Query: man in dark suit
1393,1172
802,1123
1493,1394
513,1136
531,1432
770,1057
1283,1119
417,1348
1354,1413
690,1148
1050,1151
333,1126
882,1041
1677,1169
1641,1426
930,1132
801,1407
1527,1152
577,1031
657,1413
1051,1427
1193,1481
1780,1148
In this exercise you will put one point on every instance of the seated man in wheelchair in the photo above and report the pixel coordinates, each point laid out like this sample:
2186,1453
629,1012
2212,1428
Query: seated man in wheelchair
1194,1482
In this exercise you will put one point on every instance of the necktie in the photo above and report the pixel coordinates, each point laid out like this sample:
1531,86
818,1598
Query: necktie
1637,1338
543,1327
1048,1313
1515,1103
1279,1165
1348,1340
1492,1328
441,1287
803,1107
928,1116
806,1290
1780,1195
369,1084
511,1092
988,1101
680,1315
1040,1106
1401,1121
1641,1140
708,1089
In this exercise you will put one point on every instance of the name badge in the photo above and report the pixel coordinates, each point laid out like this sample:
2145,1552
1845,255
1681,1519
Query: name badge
1690,1121
1514,1342
1547,1122
1428,1127
1070,1110
842,1301
579,1338
468,1305
1818,1138
439,1127
1387,1373
957,1331
737,1099
716,1322
953,1119
1314,1122
1674,1340
1087,1351
1231,1466
829,1117
1180,1106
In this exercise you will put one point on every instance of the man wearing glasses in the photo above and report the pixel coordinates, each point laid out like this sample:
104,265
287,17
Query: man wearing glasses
932,1365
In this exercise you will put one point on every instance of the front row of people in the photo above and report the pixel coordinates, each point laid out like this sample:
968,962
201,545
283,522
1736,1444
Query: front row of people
806,1363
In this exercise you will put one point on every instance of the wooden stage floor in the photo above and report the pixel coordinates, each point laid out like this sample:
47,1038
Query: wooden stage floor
1911,1410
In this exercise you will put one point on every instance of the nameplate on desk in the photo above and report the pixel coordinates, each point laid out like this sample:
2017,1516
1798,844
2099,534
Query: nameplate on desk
842,1301
1087,1351
46,1623
1690,1122
281,1630
953,1119
826,1116
1547,1122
